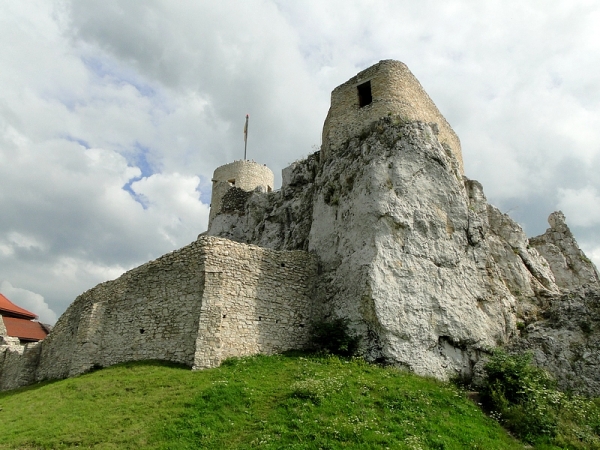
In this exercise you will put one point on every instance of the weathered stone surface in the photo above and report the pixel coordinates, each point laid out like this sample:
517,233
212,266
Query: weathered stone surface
255,301
196,306
18,365
279,220
393,91
566,339
427,271
569,264
243,174
380,228
404,251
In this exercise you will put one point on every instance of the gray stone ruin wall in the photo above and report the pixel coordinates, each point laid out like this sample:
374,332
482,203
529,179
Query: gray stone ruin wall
243,174
256,300
196,306
395,92
18,365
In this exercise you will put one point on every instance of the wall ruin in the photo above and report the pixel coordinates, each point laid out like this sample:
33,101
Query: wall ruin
243,174
196,306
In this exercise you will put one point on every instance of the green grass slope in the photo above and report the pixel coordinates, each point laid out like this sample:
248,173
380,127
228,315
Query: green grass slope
286,401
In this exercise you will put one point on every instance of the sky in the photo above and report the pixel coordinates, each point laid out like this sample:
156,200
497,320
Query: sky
114,114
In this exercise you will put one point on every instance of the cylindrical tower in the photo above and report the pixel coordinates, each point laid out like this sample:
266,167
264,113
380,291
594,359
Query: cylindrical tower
387,88
243,174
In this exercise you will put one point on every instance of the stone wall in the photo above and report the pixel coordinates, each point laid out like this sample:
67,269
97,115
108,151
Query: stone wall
3,331
395,92
243,174
7,341
234,200
258,301
18,365
150,312
196,306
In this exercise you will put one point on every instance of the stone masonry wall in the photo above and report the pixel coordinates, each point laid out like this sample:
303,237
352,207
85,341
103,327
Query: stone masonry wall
395,91
196,306
3,331
257,300
18,365
150,312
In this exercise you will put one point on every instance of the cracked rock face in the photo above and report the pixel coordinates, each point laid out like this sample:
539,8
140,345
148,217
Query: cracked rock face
569,264
429,274
410,252
566,339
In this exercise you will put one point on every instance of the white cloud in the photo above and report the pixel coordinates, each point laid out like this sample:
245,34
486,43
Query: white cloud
174,201
581,206
30,301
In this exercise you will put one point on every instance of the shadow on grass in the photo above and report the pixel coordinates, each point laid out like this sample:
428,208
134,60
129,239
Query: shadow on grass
128,365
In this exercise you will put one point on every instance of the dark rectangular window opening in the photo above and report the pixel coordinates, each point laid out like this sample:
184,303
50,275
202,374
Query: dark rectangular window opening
364,94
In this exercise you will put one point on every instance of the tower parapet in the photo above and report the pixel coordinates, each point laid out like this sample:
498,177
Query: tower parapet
242,174
387,88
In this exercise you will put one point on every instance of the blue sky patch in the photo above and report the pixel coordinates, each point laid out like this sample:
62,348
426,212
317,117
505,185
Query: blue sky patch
81,142
103,69
205,189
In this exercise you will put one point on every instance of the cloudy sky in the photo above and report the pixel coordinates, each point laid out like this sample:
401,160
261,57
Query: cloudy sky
114,113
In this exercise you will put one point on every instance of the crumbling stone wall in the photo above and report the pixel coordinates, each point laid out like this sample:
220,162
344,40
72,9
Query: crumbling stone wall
256,300
150,312
196,306
18,365
234,200
395,92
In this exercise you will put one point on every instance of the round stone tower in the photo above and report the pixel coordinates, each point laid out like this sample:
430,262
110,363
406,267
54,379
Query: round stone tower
242,174
387,88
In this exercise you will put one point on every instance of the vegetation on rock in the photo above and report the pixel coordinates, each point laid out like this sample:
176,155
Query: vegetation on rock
524,398
334,337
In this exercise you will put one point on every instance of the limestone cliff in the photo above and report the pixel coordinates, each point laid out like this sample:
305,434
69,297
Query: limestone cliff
426,270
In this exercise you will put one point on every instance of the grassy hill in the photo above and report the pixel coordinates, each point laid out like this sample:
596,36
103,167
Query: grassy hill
286,401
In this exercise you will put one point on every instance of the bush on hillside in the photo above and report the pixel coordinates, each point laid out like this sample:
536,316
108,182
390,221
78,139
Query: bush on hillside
334,337
521,395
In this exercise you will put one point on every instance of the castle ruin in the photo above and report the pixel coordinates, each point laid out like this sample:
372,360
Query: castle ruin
380,227
245,175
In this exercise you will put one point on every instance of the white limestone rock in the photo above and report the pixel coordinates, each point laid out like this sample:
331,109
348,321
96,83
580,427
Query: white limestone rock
427,272
278,220
569,264
566,339
405,249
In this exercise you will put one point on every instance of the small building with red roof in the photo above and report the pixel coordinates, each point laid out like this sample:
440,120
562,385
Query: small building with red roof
18,323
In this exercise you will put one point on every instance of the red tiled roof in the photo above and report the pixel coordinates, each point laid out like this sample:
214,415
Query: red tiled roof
24,329
8,308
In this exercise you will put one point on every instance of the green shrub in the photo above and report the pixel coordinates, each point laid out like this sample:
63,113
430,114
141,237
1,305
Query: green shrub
521,395
334,337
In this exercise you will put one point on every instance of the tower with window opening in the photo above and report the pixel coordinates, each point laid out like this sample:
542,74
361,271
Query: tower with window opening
386,89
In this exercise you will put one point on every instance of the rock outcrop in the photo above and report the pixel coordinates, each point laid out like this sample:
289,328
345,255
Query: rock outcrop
565,340
429,274
569,264
381,229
